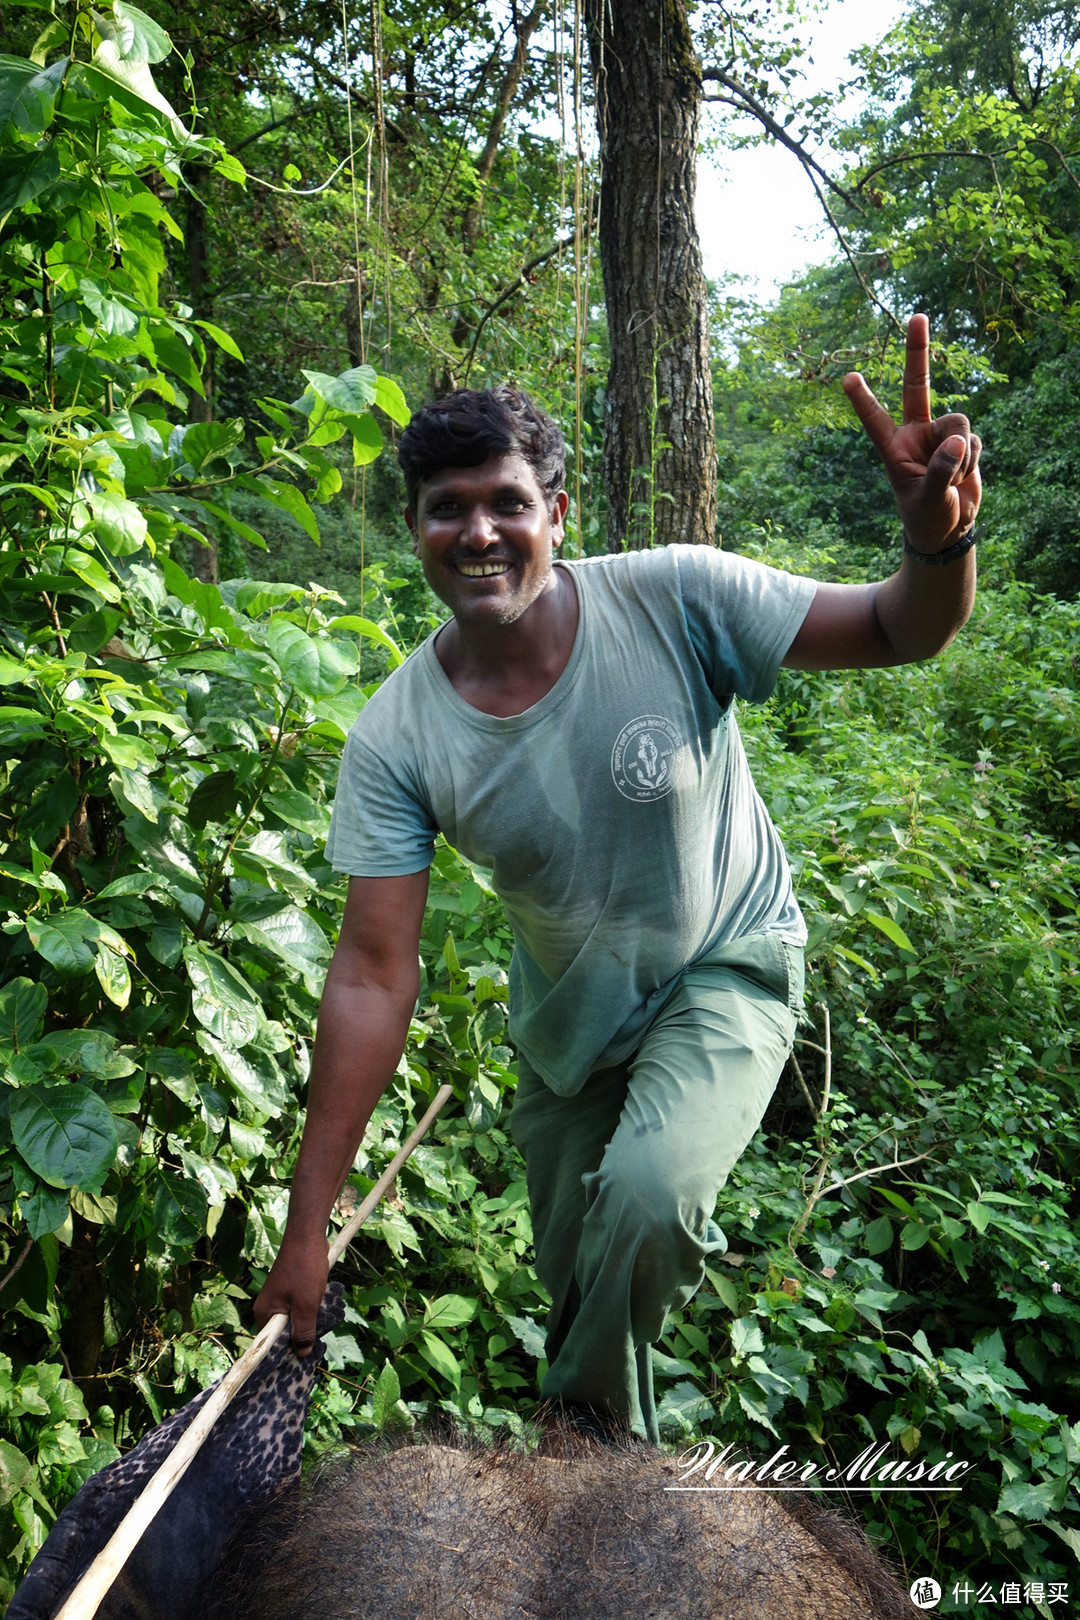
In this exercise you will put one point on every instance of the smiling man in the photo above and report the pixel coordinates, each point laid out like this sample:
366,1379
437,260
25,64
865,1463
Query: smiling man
572,728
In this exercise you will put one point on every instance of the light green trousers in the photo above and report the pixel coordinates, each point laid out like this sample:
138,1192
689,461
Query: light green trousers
623,1177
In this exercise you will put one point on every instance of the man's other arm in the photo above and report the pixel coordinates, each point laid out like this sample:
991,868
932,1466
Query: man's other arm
367,1003
933,467
911,616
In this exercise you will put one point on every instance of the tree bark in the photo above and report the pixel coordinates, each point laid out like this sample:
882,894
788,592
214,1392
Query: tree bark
659,439
83,1333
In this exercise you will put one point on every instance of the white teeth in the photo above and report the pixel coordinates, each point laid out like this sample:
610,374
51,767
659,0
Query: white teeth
482,570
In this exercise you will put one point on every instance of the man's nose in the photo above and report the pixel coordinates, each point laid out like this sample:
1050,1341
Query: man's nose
478,528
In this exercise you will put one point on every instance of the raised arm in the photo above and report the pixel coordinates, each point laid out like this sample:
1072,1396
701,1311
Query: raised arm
367,1002
933,467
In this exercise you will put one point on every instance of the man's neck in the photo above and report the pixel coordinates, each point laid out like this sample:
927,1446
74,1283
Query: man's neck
504,669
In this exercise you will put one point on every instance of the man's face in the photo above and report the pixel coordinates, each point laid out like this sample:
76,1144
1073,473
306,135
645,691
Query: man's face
485,536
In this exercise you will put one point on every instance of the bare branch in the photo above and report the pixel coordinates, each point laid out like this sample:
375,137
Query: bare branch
275,123
876,1170
519,281
746,101
351,91
850,256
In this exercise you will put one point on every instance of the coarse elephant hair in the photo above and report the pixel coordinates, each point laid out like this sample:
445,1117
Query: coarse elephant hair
430,1531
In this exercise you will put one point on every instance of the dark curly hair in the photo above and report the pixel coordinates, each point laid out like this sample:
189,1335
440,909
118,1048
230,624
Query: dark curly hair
465,428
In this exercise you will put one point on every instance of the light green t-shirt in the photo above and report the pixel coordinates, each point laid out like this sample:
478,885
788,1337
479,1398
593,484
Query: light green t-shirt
617,815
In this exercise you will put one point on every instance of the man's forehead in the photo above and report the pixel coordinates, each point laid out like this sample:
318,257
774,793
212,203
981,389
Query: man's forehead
509,472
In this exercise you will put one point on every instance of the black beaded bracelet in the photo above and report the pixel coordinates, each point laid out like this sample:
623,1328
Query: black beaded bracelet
938,559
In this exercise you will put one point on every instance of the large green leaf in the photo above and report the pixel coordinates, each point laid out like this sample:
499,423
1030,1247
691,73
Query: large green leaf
292,935
214,799
27,105
19,725
24,178
255,1076
206,442
222,339
44,1210
298,810
15,1469
15,73
287,498
137,35
1032,1501
389,398
113,974
221,999
267,859
256,595
449,1311
367,439
91,631
352,392
684,1408
440,1356
890,929
529,1336
88,1051
385,1396
180,1207
62,941
296,653
337,714
118,523
65,1133
114,318
132,75
337,665
374,632
22,1007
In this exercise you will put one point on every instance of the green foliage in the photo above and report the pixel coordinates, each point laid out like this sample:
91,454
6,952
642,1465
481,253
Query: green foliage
169,749
904,1263
906,1267
1032,442
961,181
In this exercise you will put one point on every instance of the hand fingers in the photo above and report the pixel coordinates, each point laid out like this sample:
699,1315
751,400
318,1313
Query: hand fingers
946,427
873,416
944,469
970,489
916,395
976,452
303,1321
303,1316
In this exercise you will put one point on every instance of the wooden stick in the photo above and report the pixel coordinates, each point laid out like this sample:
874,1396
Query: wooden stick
87,1595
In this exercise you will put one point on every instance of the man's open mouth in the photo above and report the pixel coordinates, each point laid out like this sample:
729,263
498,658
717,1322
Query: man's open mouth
482,570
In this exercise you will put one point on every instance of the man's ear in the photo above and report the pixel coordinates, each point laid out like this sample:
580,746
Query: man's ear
559,507
410,524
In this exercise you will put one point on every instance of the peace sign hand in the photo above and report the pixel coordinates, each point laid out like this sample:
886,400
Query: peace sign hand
933,466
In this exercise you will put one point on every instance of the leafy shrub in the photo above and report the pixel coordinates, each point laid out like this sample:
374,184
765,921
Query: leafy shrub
906,1264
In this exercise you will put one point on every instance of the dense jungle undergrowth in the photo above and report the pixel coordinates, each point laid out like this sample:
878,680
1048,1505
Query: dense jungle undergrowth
904,1265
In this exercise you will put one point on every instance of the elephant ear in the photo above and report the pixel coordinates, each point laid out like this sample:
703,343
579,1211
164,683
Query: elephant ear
253,1449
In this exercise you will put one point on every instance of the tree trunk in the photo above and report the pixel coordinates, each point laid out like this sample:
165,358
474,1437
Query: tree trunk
83,1333
659,439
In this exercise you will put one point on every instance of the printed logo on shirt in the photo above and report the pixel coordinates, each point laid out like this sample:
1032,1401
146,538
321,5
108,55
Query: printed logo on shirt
643,761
